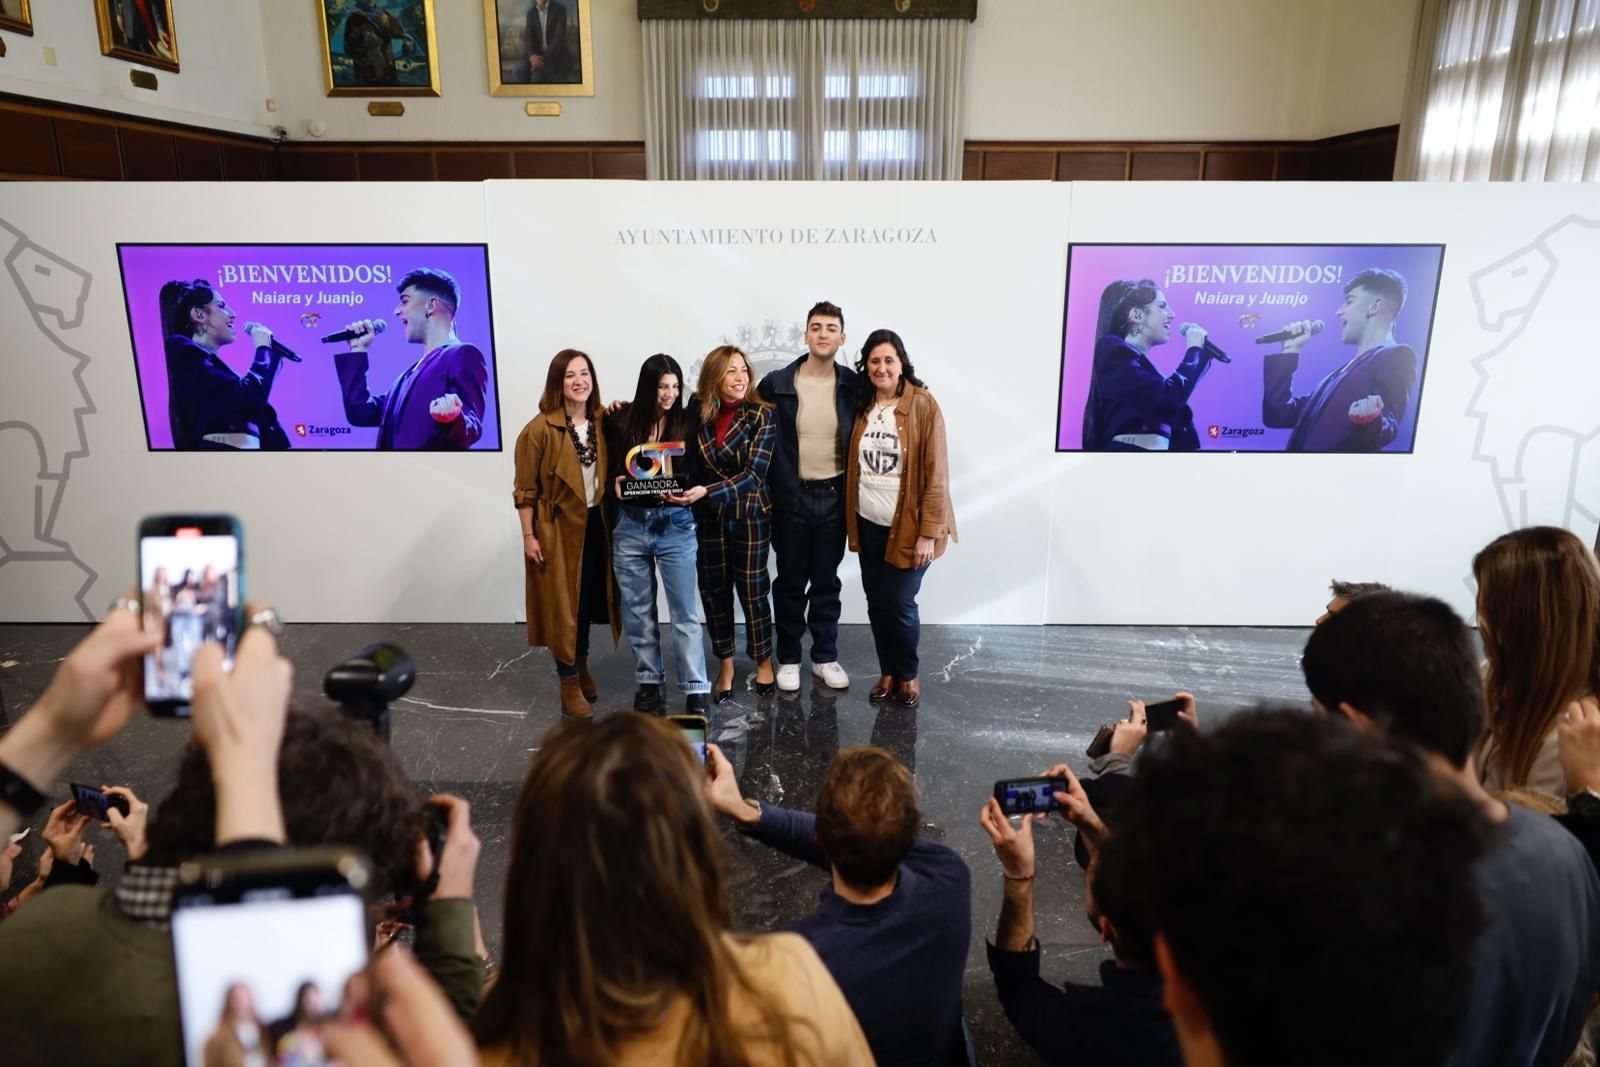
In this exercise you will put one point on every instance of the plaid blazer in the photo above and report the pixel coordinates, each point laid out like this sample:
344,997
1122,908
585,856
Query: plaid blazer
735,472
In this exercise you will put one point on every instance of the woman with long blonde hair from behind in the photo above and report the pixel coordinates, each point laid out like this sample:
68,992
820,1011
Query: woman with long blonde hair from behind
617,943
1539,619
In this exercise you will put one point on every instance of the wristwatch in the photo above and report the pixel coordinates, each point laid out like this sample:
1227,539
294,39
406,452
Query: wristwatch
1585,805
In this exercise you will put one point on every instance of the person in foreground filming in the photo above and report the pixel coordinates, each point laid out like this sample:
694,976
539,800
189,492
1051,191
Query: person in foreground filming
1122,1020
256,779
894,924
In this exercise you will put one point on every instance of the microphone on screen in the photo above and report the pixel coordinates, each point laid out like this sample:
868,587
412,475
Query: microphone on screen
1216,353
1316,326
277,346
378,326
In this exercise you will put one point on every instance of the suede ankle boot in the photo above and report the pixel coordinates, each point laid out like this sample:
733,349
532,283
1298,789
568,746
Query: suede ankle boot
573,703
585,682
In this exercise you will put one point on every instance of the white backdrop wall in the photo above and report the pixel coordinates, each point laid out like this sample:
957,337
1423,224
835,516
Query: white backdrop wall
1505,436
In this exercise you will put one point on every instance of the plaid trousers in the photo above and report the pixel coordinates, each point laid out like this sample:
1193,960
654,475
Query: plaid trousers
733,557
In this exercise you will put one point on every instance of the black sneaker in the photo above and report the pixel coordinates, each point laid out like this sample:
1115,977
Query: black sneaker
698,704
648,699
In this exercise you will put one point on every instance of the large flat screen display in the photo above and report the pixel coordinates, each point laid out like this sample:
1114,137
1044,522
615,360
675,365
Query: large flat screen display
1245,348
232,346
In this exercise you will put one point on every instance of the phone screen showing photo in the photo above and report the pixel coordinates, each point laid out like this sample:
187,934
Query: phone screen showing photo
1027,796
696,736
189,591
259,969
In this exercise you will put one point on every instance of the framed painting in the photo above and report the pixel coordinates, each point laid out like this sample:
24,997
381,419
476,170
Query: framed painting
16,16
379,47
539,47
139,31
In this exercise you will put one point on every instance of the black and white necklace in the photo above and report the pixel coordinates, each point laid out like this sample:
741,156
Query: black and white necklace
587,453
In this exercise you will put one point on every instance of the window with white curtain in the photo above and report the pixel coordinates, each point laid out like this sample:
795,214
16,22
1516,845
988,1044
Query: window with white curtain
1504,90
804,99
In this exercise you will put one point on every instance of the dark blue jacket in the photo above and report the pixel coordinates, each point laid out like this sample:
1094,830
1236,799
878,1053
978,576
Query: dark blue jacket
204,396
777,389
899,962
1127,395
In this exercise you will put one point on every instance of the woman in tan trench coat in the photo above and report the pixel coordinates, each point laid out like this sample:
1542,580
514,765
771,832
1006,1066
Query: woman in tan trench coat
559,487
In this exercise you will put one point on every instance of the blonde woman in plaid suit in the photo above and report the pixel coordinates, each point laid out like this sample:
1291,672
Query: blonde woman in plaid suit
737,435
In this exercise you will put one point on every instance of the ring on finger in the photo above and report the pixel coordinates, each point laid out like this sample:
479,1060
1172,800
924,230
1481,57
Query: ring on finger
268,619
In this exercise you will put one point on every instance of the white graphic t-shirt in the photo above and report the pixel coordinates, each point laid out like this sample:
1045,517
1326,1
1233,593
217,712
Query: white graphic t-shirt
880,458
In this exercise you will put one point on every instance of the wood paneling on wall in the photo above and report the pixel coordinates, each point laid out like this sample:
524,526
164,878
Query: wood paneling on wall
1365,156
57,141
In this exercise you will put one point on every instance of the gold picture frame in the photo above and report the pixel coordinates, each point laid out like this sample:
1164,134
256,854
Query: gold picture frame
138,32
376,69
22,21
506,33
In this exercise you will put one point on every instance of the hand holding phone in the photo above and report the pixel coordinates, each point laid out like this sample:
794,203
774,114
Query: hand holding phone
1028,796
1163,715
267,945
191,582
97,804
694,731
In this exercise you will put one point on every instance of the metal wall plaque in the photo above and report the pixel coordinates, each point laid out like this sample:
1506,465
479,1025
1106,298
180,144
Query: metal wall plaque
386,107
548,109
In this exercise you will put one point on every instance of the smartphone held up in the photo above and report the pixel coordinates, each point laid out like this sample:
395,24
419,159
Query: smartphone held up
191,590
268,946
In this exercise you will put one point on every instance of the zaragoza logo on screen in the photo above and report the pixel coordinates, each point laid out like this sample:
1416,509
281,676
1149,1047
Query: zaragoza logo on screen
1215,432
304,430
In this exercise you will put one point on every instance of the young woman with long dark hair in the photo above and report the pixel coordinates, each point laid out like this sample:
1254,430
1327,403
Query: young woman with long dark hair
655,537
1132,406
210,407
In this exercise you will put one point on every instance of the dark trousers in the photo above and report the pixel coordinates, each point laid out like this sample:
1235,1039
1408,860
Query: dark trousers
591,587
808,539
891,603
733,558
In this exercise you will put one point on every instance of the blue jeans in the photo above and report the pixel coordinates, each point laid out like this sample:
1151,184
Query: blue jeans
646,541
808,539
891,603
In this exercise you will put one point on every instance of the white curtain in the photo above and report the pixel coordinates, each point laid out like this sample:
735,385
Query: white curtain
804,98
1503,90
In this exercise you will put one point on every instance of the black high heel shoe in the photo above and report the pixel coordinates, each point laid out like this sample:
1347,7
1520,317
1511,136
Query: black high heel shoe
721,696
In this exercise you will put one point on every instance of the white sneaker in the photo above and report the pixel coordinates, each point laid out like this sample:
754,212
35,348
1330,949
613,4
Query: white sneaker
831,674
789,677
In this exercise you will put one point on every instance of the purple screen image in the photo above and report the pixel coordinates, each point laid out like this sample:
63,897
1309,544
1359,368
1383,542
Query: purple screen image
301,293
1238,293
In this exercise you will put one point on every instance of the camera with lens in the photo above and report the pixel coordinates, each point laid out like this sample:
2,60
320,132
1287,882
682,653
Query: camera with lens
365,684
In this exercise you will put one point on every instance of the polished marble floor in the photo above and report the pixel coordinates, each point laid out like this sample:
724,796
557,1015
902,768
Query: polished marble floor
997,702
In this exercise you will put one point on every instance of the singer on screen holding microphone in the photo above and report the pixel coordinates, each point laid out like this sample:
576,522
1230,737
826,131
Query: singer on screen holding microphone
211,408
437,402
1358,407
1132,406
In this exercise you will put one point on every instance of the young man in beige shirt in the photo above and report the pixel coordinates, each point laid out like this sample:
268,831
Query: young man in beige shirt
815,402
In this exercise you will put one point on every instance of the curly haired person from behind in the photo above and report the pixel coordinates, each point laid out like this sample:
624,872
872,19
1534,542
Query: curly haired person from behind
621,952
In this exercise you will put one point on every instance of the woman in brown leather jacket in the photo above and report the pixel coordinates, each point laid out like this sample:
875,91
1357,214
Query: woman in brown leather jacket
897,505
